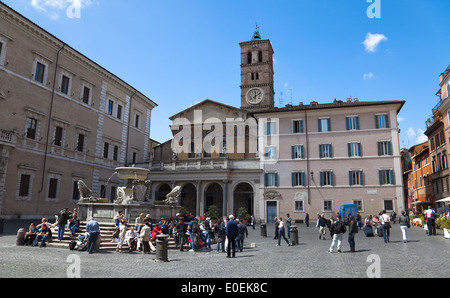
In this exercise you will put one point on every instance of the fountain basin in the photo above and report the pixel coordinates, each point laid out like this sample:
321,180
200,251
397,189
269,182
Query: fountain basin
132,173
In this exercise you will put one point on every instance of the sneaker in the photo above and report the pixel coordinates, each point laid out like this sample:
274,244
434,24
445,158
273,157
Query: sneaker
339,251
277,245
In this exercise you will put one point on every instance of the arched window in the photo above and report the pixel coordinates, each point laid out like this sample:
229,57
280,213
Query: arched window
260,57
249,58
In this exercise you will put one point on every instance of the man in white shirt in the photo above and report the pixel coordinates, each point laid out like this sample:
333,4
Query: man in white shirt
130,238
430,217
385,222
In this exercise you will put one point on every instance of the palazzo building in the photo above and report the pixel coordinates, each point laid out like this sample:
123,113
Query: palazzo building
63,118
305,158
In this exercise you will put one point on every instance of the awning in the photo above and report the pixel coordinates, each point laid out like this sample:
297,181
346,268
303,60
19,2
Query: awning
447,199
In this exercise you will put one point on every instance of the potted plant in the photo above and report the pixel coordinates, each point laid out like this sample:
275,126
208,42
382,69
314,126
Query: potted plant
213,212
243,215
445,225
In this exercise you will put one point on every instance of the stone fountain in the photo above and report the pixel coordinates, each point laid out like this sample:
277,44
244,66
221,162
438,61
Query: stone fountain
133,199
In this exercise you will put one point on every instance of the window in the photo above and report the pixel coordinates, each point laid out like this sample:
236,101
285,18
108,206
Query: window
136,120
352,123
297,152
388,205
86,95
134,157
119,112
65,82
270,128
384,148
116,153
325,150
105,150
386,177
359,204
297,126
356,177
326,178
2,47
75,191
39,73
270,152
191,153
223,149
53,188
58,135
249,58
298,179
354,149
260,57
31,128
24,187
110,107
80,143
299,206
271,179
324,125
327,206
381,121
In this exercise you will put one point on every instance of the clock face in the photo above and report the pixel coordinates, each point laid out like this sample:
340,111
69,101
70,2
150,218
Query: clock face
255,96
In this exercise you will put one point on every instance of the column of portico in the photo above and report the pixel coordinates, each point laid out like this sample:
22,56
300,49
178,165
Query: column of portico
225,198
198,200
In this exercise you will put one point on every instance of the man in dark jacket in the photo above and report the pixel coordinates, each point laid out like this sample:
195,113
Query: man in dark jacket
231,232
321,224
242,233
338,229
63,217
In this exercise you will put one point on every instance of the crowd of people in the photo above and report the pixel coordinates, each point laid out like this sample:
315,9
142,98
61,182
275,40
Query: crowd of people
229,233
197,233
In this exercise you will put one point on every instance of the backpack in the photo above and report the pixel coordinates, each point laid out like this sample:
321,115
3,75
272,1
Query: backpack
72,245
195,227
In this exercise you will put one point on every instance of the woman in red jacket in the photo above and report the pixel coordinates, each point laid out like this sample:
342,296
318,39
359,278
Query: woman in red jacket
156,231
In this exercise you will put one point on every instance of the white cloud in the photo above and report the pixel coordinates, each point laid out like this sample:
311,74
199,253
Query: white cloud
372,41
368,76
53,8
416,136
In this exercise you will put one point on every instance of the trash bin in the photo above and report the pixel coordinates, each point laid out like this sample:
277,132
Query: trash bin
161,248
293,235
2,224
20,239
263,230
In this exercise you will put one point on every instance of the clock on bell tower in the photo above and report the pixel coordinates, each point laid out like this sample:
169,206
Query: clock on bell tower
257,90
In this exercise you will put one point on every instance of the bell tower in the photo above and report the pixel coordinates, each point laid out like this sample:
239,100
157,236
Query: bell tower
257,90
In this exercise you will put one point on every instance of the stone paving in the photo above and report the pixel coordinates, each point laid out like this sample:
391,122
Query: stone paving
422,256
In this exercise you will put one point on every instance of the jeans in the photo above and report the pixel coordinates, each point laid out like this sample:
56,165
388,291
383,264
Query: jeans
404,234
73,229
351,240
220,244
240,241
39,238
386,233
336,238
431,227
281,234
231,248
91,241
206,239
61,229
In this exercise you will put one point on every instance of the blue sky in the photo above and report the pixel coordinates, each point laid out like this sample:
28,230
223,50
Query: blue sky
179,53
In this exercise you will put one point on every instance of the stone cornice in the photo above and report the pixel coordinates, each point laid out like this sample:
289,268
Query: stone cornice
41,34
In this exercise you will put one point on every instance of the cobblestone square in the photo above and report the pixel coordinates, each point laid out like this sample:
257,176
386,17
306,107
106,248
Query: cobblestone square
422,257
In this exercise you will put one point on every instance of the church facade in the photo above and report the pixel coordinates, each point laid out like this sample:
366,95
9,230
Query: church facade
298,159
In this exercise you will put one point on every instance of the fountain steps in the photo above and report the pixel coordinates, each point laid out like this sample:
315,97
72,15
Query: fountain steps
106,231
